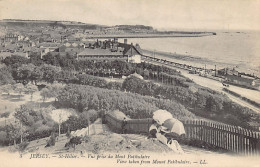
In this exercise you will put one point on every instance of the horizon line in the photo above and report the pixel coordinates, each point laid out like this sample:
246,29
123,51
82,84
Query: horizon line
155,28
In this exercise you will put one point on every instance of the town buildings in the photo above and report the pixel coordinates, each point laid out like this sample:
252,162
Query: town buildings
232,76
112,50
42,43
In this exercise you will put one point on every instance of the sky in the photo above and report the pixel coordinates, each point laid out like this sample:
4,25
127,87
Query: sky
161,14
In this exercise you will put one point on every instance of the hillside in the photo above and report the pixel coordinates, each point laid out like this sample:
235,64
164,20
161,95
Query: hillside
80,25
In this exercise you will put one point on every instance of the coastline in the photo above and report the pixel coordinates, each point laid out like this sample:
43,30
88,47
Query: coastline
145,35
212,83
197,62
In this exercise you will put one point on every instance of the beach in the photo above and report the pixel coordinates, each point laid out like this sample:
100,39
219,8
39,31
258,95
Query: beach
217,86
240,50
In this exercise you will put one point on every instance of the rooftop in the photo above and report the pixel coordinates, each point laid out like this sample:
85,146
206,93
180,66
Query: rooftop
99,52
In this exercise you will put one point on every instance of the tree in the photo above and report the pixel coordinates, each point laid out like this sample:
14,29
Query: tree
46,93
36,75
12,133
5,115
15,61
213,104
29,72
23,73
5,76
50,72
132,84
26,115
55,89
7,88
18,88
36,59
16,130
30,88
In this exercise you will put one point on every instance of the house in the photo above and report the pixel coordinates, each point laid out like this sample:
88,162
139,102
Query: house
11,38
72,48
232,76
239,80
101,54
3,55
110,50
132,52
50,46
228,71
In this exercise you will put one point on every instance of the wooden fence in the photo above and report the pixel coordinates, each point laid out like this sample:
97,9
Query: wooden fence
231,138
132,126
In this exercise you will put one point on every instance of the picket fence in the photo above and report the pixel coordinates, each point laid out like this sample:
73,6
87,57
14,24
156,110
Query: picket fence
231,138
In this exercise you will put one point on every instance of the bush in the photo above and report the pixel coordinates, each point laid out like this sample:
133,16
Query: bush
52,140
5,115
73,142
137,106
3,138
23,146
92,114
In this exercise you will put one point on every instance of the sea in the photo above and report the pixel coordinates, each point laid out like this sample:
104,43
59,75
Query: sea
233,49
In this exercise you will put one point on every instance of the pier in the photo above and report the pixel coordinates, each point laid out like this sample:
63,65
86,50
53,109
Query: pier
177,35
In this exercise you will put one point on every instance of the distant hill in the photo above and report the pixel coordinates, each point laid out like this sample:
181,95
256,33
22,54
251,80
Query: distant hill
69,24
80,25
64,24
128,27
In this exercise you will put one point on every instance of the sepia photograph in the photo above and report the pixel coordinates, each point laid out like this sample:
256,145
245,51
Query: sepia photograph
127,83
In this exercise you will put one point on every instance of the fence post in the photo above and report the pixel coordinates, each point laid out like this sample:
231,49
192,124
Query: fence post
195,129
192,128
225,137
254,141
148,125
222,136
228,137
235,139
258,144
212,134
208,132
246,143
201,130
232,139
218,135
204,131
187,127
251,144
240,140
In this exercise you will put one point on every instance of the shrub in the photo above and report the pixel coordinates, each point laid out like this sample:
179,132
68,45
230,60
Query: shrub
52,140
135,105
73,142
23,146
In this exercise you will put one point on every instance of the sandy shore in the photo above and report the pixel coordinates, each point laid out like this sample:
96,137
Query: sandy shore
194,61
217,86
